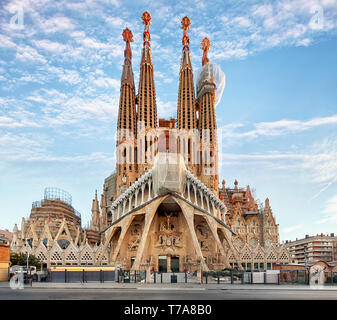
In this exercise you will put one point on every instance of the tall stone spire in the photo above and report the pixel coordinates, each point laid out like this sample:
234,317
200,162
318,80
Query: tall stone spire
186,114
95,215
206,89
127,117
146,100
127,105
103,206
147,108
186,96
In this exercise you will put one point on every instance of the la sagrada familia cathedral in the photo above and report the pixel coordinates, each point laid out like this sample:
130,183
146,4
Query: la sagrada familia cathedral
163,207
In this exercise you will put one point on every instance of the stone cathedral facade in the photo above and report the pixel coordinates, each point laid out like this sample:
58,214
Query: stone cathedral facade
163,208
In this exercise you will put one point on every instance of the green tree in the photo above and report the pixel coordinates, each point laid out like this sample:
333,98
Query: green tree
21,260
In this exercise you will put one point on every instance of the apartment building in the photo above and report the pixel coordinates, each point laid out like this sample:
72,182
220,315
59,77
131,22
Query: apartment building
313,248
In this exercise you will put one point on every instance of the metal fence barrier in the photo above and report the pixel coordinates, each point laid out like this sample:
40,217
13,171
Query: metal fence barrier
82,276
211,277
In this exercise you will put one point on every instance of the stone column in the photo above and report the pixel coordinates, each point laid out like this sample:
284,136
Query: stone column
168,263
130,201
149,195
136,198
202,199
143,187
195,195
188,191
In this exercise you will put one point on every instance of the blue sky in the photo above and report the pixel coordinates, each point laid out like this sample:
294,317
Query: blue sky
59,88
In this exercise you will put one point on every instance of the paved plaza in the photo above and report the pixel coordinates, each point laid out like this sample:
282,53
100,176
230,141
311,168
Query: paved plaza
117,291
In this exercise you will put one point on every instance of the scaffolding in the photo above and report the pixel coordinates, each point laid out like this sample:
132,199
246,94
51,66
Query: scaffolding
52,193
211,73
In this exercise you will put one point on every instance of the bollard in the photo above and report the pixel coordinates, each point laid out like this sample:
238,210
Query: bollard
154,277
65,275
251,277
206,277
218,280
83,276
161,277
185,277
278,279
265,277
135,276
232,277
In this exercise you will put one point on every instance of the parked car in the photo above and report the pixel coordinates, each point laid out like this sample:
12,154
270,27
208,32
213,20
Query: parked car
22,269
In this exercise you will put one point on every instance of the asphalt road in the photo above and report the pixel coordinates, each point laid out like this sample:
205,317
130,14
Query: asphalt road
136,294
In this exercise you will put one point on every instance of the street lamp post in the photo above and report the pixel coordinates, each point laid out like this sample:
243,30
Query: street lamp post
27,261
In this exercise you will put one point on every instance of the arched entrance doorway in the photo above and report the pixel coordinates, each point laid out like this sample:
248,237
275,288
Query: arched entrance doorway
170,230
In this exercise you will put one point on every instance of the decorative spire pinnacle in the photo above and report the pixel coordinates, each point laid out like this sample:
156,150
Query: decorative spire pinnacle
146,17
127,37
205,44
185,24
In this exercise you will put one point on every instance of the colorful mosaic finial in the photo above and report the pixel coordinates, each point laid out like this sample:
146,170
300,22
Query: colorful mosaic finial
146,17
185,24
127,37
205,44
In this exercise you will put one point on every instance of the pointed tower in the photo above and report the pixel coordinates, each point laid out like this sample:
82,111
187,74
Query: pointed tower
186,115
95,223
146,100
126,127
103,205
206,88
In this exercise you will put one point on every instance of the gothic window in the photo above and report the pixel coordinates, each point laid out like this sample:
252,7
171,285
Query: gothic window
258,256
246,257
71,256
42,257
86,258
238,243
30,242
283,257
268,242
231,258
253,242
56,257
63,243
271,256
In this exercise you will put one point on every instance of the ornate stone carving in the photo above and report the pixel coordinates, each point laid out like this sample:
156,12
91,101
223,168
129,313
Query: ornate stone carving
203,237
168,236
135,233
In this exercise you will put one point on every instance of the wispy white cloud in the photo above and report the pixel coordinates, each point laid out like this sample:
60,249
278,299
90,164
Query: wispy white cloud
330,212
50,46
292,228
166,109
29,54
275,128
